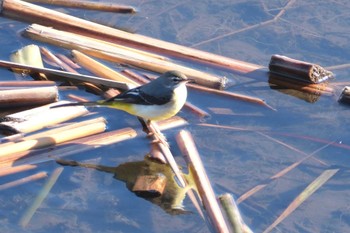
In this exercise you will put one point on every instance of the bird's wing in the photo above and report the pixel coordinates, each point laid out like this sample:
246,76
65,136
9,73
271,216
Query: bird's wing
137,96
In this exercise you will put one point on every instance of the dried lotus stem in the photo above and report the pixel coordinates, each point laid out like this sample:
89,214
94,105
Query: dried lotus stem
296,69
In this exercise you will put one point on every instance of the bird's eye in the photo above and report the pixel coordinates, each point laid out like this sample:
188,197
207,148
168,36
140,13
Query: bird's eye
176,79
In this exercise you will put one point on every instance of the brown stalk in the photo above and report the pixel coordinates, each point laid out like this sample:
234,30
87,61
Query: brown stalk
25,180
68,88
64,128
198,111
241,97
32,119
22,84
56,60
160,150
110,93
92,87
50,140
136,77
65,75
35,14
77,98
303,71
73,147
98,6
171,123
102,50
157,154
156,150
83,144
163,147
28,96
68,61
189,150
99,69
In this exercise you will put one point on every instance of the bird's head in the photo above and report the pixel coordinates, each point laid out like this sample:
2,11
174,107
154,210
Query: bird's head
173,79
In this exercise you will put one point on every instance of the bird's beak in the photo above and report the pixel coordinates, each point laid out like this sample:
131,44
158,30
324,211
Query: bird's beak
190,80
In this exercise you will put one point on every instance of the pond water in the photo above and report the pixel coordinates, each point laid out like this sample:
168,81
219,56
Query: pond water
89,200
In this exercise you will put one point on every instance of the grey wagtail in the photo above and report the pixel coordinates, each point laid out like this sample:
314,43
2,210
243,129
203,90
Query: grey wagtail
157,100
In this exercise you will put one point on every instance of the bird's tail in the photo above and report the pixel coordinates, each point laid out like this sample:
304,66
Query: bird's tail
77,104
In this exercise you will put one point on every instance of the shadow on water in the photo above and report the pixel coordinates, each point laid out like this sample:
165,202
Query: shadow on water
170,200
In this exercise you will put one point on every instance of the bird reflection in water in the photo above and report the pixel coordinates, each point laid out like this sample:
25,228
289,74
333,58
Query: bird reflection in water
170,200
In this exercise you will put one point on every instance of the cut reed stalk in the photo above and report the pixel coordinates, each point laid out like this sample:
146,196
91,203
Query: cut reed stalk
68,61
28,96
102,50
304,71
157,154
172,163
98,6
22,84
99,69
72,147
67,76
65,128
198,111
195,165
110,93
31,13
53,58
136,77
40,117
50,140
171,123
82,144
77,98
241,97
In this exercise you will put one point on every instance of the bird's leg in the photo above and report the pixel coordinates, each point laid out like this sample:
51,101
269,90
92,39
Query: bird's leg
145,127
159,137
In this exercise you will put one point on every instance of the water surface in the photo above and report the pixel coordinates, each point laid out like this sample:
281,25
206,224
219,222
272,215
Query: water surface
87,200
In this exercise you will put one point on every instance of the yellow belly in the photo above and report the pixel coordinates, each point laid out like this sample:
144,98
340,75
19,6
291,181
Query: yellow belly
155,112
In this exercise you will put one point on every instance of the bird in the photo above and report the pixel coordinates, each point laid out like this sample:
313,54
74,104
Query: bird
157,100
